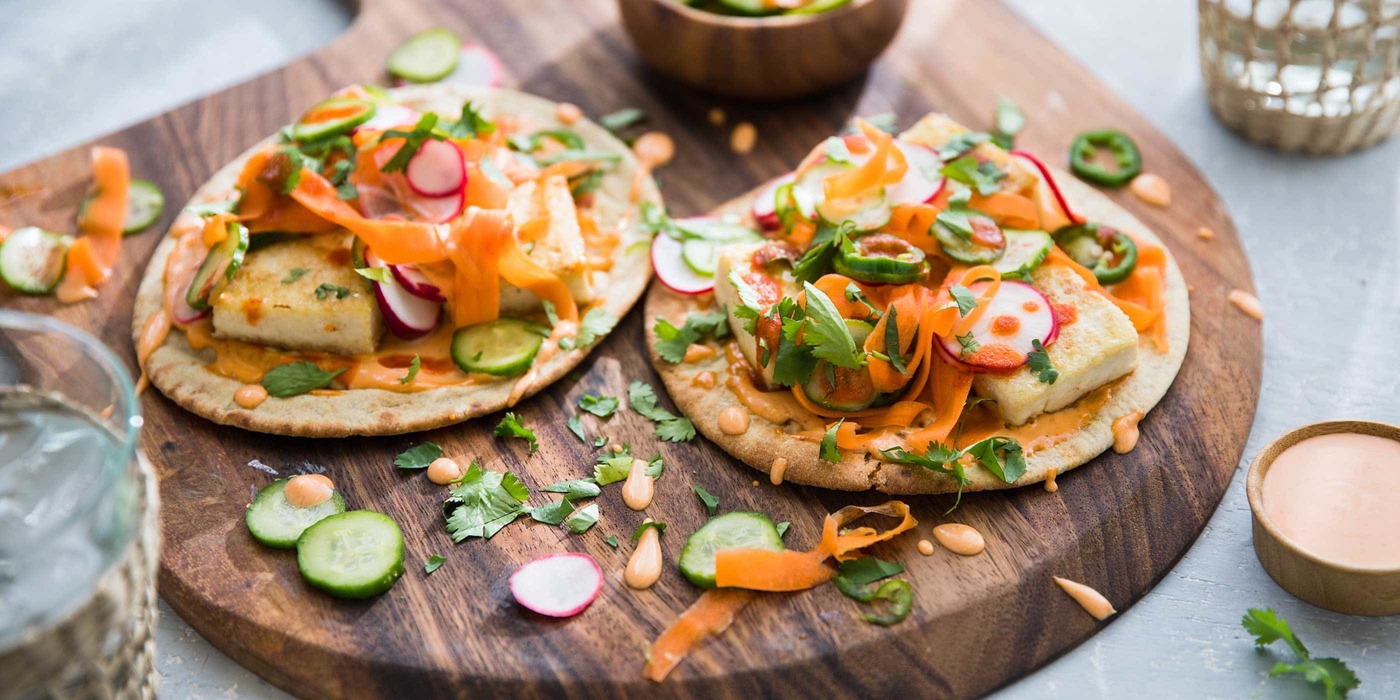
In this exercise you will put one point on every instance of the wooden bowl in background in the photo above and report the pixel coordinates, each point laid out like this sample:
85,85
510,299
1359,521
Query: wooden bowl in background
761,57
1336,587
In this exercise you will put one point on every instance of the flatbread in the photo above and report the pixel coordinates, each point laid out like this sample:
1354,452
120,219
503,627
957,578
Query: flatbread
764,441
179,372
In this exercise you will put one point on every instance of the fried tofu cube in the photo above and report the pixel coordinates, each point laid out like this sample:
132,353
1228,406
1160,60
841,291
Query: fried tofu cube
558,248
300,294
740,259
1097,344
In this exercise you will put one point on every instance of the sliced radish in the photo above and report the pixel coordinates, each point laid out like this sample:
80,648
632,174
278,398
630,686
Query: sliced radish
184,314
388,116
922,182
1018,315
671,269
809,190
438,169
438,210
557,585
1047,181
416,283
478,65
765,204
406,315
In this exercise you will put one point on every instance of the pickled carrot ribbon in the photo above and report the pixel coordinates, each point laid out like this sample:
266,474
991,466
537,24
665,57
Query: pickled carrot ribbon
92,256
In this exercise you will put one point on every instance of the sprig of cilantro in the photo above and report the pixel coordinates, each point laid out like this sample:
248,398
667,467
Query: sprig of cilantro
670,427
483,502
1333,675
512,427
601,406
1040,364
966,300
471,124
412,141
710,500
672,342
826,332
595,324
983,176
1001,456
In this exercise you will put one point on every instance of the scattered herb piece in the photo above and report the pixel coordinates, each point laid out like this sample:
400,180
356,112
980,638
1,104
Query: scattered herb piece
672,342
783,528
582,519
600,440
1001,456
412,141
296,378
294,275
575,489
575,426
1007,121
601,406
554,512
327,289
471,124
483,502
642,398
829,451
937,458
1041,365
418,457
983,176
611,541
1333,675
597,323
612,467
413,367
892,344
655,467
966,300
962,143
658,526
826,332
512,427
433,563
969,344
622,118
373,274
711,502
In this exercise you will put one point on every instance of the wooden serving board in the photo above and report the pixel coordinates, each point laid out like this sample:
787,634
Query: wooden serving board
1118,524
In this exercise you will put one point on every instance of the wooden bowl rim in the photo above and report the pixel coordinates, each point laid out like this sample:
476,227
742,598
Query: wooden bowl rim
742,22
1254,485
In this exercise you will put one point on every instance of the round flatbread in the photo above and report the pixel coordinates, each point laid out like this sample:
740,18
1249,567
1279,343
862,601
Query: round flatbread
764,441
179,372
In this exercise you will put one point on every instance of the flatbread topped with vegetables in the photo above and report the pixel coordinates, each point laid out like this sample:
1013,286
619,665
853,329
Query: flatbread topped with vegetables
927,313
395,261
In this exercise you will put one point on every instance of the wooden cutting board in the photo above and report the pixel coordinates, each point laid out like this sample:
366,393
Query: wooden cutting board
1118,524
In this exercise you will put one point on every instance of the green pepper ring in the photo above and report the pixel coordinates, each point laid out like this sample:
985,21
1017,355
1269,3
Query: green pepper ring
1122,245
881,258
1125,151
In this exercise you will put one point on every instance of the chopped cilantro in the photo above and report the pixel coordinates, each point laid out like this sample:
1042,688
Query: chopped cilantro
597,323
418,457
937,458
826,332
433,563
582,519
296,378
707,498
483,502
1007,121
967,301
650,524
962,143
554,512
374,274
817,260
413,367
655,466
412,141
983,176
611,541
642,398
294,275
1001,456
575,426
1332,674
969,344
892,344
471,124
512,427
601,406
783,527
612,467
622,118
575,489
672,342
327,289
1040,364
829,451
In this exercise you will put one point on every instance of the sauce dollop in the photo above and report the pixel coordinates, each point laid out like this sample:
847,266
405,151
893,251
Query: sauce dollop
308,490
644,568
250,396
960,539
1126,433
444,470
734,420
1091,600
1335,496
639,488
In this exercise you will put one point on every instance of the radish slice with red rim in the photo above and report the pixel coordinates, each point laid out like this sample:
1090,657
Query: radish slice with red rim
437,210
557,585
416,283
1018,315
671,269
477,66
438,169
388,116
765,204
406,315
922,181
183,313
1047,182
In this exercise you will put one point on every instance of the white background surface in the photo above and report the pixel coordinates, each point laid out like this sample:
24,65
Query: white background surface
1323,236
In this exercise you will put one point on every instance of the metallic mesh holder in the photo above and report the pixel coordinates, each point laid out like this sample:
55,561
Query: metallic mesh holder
1316,76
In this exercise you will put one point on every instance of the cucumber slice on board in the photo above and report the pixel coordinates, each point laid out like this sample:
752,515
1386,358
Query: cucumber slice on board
334,116
222,262
737,530
32,260
144,203
426,57
275,522
356,554
1024,249
504,347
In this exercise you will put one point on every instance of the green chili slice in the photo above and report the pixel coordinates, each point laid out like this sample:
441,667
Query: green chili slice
881,258
1109,253
900,596
1125,153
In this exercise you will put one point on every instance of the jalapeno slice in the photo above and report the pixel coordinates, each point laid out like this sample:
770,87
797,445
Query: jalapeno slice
985,244
1125,153
1109,253
881,258
336,115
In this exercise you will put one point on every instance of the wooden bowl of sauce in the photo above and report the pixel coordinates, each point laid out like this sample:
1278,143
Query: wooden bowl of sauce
762,58
1326,504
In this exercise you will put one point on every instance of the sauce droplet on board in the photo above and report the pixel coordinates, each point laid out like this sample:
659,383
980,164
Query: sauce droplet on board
926,548
444,470
1125,432
640,487
960,539
1248,303
308,490
1335,496
644,568
1151,188
734,420
775,475
743,138
654,149
250,396
1091,600
1050,484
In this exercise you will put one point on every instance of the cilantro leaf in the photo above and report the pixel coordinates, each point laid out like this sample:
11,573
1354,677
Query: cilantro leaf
962,143
373,274
672,342
296,378
483,502
294,274
612,467
817,260
1336,679
1267,628
938,458
1001,456
827,333
748,308
966,300
969,344
707,498
512,427
413,367
892,345
471,124
418,457
678,429
983,176
650,524
829,451
1040,364
582,519
327,289
642,398
611,541
655,466
783,528
575,489
412,141
575,426
622,118
554,512
601,406
433,563
597,323
1007,121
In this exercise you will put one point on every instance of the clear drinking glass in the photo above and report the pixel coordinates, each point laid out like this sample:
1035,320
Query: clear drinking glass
72,493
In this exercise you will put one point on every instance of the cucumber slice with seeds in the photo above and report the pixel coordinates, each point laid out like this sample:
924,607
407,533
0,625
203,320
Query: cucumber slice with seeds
1024,249
504,347
221,263
356,554
426,57
275,522
737,530
32,260
144,203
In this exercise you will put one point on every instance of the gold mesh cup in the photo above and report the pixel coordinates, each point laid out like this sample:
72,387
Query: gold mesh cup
1314,76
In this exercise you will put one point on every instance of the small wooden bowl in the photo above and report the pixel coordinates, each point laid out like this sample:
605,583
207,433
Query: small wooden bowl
1337,587
761,57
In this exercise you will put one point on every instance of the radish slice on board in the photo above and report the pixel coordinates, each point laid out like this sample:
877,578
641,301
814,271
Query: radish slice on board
477,65
922,182
438,169
765,204
388,116
1047,182
407,316
1016,316
557,585
671,268
416,283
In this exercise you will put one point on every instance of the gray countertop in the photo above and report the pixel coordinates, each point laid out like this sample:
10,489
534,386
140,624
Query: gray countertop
1330,338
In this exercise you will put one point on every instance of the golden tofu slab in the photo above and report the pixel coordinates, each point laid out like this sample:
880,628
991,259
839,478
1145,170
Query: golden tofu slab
300,294
558,248
1097,347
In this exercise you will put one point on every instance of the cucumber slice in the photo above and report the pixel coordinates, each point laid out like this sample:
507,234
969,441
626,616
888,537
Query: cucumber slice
277,523
504,347
712,229
737,530
32,260
1024,250
860,330
873,213
330,117
357,554
700,255
221,263
144,204
840,389
426,57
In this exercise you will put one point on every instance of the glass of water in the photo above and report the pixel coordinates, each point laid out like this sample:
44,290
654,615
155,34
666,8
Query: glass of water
74,503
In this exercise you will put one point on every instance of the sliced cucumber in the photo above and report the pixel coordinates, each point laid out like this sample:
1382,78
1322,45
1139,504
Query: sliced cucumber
504,347
963,249
275,522
808,191
144,203
334,116
712,229
839,388
221,264
700,255
32,260
860,330
737,530
426,57
357,554
1024,250
874,212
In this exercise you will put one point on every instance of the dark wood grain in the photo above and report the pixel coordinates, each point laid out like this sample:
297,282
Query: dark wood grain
978,623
